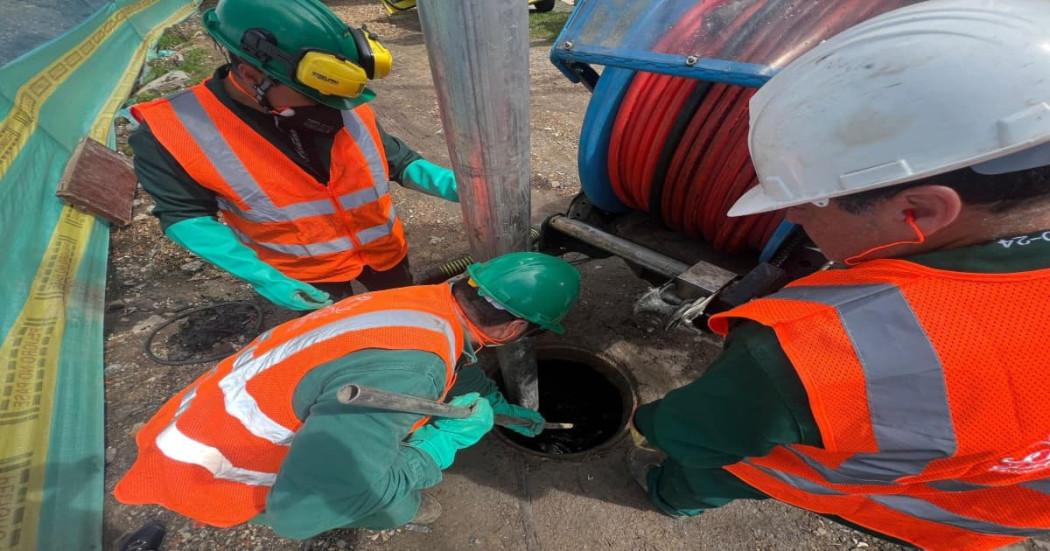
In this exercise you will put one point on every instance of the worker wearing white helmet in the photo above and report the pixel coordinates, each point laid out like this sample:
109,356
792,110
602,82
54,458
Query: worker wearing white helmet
904,390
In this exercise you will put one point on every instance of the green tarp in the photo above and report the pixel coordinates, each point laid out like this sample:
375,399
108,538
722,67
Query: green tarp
65,69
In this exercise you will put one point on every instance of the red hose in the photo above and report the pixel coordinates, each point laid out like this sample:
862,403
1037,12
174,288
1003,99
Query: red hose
709,168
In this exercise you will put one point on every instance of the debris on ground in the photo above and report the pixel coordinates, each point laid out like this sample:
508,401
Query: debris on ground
166,83
204,334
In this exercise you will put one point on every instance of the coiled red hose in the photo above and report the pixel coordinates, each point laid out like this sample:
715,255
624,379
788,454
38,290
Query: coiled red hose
678,147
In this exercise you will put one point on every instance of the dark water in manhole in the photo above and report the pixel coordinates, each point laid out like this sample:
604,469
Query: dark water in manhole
574,392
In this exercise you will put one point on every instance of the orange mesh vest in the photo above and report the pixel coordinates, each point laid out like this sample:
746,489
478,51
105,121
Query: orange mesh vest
212,452
307,230
929,388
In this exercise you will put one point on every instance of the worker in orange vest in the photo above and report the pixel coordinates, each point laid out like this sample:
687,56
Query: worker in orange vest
283,143
263,436
902,391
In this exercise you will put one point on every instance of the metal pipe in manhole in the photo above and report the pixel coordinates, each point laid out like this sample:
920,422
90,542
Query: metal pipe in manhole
586,389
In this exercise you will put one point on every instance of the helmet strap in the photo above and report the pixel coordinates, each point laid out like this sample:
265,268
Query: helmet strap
261,88
259,95
920,238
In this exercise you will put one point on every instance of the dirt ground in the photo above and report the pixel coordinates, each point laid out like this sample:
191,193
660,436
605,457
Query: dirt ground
494,497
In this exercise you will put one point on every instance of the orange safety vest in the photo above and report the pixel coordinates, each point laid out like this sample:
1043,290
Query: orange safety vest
307,230
213,451
929,388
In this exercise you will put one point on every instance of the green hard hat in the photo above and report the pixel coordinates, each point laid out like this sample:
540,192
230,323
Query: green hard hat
533,286
295,25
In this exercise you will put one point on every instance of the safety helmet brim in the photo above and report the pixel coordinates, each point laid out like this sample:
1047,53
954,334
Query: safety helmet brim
1022,156
483,290
755,201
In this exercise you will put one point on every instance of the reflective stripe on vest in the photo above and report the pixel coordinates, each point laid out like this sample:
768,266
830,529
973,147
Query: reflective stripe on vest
920,508
912,423
360,133
336,245
1041,486
261,209
179,447
176,445
340,244
241,405
803,484
910,505
378,231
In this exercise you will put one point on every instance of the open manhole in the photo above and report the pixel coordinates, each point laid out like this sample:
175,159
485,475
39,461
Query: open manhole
578,387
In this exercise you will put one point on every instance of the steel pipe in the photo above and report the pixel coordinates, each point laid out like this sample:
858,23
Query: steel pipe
479,59
364,396
633,252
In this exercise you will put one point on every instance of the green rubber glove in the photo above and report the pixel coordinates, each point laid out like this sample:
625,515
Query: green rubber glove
500,406
213,241
438,181
442,438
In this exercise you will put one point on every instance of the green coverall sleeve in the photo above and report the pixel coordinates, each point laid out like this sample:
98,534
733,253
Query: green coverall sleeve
412,171
398,154
473,379
747,402
176,196
349,467
215,242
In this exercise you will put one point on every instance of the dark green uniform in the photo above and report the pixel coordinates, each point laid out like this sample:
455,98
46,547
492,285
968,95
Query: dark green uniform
178,197
751,398
351,468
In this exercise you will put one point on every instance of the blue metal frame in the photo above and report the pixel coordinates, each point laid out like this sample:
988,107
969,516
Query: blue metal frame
716,70
570,50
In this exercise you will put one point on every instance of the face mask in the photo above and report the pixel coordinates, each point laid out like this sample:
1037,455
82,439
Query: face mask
314,118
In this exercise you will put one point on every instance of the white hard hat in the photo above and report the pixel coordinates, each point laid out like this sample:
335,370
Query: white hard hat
915,92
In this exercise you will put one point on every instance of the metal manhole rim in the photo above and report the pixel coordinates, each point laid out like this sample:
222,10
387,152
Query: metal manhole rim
609,368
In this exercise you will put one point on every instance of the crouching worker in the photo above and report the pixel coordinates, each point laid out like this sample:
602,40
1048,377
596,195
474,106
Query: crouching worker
262,435
904,391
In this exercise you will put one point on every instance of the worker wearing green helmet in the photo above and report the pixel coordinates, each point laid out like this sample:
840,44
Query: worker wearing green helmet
337,465
506,279
281,143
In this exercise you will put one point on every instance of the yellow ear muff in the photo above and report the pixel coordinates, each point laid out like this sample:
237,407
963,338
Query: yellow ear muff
330,75
382,60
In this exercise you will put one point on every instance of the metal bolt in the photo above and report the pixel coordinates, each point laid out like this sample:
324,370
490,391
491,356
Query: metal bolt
567,45
691,60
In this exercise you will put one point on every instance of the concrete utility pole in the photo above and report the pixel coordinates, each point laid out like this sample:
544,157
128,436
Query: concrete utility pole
479,57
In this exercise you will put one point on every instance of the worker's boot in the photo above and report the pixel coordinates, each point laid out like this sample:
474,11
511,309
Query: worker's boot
429,510
640,461
147,538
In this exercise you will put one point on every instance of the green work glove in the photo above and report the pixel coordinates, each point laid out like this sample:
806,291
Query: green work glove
442,438
423,175
213,241
532,420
